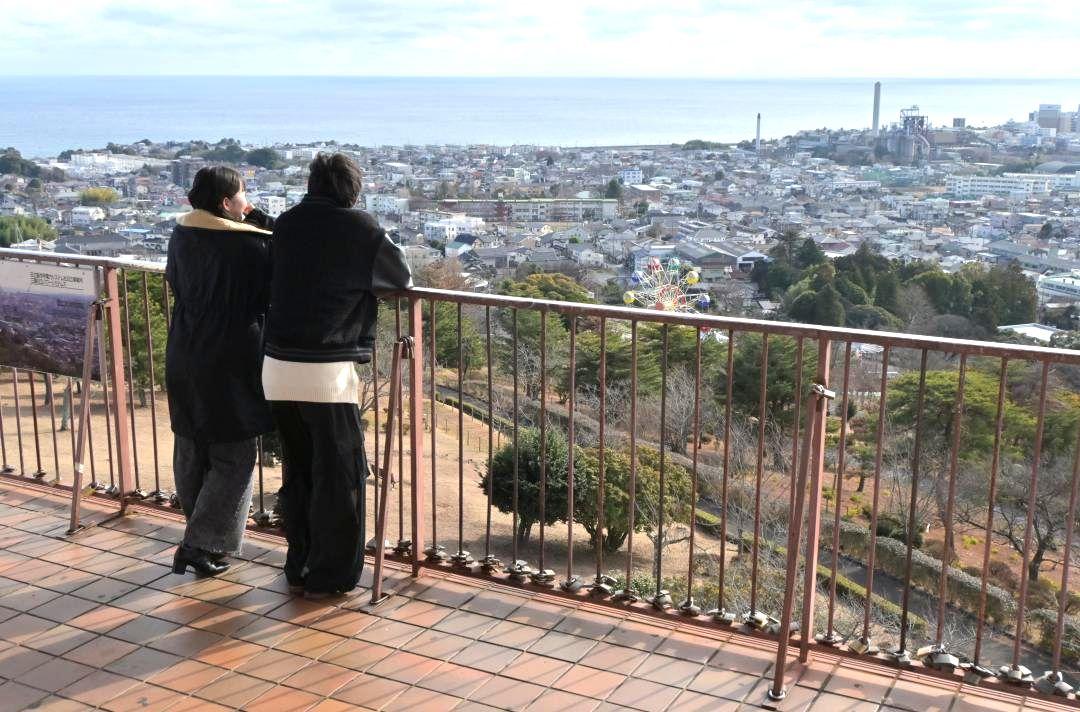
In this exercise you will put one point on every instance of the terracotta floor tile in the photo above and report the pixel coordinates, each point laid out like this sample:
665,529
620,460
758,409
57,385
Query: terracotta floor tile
860,684
742,658
63,608
560,701
273,665
798,699
142,663
514,635
59,704
55,674
357,654
464,623
257,601
689,701
186,676
59,639
234,690
142,630
370,691
310,643
23,627
393,634
185,642
728,684
436,644
283,699
541,615
322,679
104,590
643,695
336,706
224,621
344,622
142,697
589,682
968,702
838,703
404,667
417,699
266,631
183,610
27,598
421,613
102,619
251,574
812,674
486,656
507,693
229,653
668,671
15,696
614,658
536,668
140,572
301,611
446,593
921,695
562,646
687,647
104,564
455,680
98,687
67,580
15,661
494,604
587,625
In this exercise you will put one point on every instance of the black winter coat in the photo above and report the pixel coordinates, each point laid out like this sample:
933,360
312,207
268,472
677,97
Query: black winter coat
329,266
219,271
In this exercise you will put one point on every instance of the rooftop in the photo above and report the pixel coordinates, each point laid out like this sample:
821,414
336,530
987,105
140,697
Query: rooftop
98,621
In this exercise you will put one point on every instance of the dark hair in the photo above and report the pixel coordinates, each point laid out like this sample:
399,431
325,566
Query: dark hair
336,177
212,185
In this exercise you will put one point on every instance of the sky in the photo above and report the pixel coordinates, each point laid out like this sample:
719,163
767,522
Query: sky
561,38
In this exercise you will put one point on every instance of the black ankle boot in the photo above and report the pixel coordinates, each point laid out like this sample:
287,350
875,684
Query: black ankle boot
198,560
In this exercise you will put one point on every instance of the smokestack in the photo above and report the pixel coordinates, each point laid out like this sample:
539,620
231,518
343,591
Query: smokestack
757,141
877,106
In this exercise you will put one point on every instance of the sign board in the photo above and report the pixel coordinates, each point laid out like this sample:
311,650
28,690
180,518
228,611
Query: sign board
43,314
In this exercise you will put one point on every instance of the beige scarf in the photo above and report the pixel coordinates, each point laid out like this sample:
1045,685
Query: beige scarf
208,221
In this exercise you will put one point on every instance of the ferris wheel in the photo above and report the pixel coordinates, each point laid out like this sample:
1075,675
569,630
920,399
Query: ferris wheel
663,285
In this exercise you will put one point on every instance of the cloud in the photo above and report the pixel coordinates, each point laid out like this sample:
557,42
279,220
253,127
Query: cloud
689,38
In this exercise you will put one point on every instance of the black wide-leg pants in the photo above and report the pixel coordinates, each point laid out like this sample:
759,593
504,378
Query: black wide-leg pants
323,493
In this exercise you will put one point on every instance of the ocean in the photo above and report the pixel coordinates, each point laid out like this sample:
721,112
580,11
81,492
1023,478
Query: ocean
42,116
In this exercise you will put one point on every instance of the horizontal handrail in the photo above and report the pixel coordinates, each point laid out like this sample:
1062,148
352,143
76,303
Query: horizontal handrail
970,347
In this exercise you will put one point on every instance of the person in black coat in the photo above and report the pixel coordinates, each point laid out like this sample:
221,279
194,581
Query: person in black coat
330,263
219,270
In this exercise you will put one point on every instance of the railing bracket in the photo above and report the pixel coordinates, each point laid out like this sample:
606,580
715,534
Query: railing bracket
689,609
1053,683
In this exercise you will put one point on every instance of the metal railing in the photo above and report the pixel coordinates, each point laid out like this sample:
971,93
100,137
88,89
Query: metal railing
720,441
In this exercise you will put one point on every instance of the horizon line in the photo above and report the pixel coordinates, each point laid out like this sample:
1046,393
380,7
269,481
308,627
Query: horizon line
543,76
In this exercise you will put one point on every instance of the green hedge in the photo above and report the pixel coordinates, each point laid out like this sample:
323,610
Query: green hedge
1045,621
962,588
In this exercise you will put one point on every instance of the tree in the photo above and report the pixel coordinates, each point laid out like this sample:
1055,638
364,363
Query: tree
135,320
528,501
16,228
809,254
828,310
887,292
780,392
98,197
614,189
264,158
677,486
12,162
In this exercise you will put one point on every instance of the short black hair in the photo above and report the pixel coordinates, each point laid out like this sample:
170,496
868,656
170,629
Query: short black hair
212,185
337,177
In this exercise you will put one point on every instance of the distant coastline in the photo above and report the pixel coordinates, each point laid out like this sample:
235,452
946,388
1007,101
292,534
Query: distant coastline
42,116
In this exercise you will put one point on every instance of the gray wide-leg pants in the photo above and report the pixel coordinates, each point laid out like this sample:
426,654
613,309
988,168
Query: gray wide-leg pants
213,482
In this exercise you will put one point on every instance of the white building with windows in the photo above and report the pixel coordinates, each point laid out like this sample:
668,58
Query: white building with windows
1062,287
386,204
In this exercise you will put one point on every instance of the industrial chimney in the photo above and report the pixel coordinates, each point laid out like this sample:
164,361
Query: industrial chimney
757,141
877,106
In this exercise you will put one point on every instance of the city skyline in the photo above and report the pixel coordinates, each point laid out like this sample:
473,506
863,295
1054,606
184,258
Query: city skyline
683,38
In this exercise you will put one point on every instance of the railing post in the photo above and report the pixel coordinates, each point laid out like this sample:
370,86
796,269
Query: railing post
416,443
120,415
813,516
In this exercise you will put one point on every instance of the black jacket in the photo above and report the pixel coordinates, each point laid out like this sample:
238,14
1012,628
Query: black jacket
329,265
219,271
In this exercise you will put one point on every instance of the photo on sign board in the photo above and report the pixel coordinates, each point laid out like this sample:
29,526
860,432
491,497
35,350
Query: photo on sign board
43,314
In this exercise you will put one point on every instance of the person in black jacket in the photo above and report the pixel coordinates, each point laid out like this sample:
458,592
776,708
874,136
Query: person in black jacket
219,270
329,264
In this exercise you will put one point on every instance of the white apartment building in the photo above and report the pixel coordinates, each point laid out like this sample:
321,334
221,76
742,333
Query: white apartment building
274,205
1021,185
84,215
631,176
448,229
386,204
1061,287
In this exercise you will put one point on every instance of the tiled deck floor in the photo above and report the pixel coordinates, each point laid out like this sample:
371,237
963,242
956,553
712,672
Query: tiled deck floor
98,620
